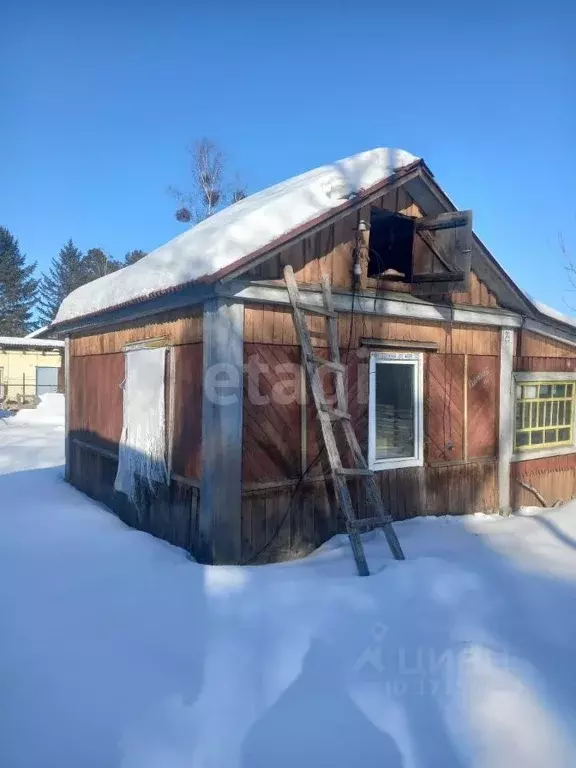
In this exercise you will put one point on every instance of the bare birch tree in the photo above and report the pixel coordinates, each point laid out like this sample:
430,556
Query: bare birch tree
210,189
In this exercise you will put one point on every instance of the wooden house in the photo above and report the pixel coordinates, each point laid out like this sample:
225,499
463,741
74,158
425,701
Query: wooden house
461,389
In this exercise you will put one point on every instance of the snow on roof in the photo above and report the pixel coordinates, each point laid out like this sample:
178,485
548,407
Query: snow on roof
236,232
36,333
553,313
18,341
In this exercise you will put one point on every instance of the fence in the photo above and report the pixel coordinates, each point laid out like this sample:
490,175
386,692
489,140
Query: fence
23,390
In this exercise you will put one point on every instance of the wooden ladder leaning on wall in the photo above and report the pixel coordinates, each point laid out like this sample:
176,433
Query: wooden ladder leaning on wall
329,415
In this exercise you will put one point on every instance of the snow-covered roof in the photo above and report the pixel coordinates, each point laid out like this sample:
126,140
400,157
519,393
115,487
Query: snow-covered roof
28,343
236,232
554,314
36,333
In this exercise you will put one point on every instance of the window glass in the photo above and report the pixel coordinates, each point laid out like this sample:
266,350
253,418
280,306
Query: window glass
543,414
394,428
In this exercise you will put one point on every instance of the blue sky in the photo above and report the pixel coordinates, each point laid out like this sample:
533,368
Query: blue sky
99,102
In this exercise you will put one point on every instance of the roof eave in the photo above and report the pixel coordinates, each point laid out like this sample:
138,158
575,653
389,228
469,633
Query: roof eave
247,262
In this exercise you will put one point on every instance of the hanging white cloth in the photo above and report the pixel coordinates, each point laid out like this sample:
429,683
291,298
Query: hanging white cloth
143,443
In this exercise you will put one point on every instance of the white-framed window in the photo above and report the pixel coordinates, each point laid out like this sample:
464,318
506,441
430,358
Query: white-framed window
544,414
395,430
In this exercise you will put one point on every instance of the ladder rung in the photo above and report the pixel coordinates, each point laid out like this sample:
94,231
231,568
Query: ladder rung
334,413
316,310
353,472
369,522
304,334
328,363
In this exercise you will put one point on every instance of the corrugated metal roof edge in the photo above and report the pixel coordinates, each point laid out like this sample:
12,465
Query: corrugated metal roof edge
245,262
24,341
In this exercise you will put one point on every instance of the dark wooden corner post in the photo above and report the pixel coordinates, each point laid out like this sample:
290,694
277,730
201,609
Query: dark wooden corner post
222,403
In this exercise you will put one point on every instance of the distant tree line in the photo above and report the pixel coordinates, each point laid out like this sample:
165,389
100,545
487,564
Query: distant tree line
27,302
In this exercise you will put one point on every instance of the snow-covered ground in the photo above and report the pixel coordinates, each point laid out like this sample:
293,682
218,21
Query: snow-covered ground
116,650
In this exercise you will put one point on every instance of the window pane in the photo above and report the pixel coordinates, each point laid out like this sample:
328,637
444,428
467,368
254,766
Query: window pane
518,415
554,413
534,418
568,415
561,413
548,417
550,436
537,437
563,434
541,407
568,390
530,391
522,438
545,390
559,390
394,411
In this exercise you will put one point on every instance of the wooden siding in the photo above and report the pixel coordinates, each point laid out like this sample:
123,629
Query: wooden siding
538,353
535,345
482,382
187,445
478,294
553,477
96,398
272,324
448,484
271,418
298,522
551,364
444,408
171,513
177,327
330,251
307,525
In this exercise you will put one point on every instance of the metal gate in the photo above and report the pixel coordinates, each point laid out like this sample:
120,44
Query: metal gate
46,380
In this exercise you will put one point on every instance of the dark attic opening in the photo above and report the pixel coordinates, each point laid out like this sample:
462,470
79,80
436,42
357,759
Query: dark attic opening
391,245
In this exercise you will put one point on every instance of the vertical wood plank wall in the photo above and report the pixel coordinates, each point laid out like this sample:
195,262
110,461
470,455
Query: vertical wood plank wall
96,376
461,383
330,251
553,477
461,396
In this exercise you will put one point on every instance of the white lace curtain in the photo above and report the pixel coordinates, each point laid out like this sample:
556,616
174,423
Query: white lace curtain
143,443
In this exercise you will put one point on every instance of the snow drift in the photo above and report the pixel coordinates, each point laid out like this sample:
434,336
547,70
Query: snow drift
50,410
118,651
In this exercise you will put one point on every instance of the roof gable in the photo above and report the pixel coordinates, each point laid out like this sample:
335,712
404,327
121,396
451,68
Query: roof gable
236,233
232,241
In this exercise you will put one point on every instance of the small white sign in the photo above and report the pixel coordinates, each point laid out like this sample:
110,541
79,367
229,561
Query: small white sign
397,355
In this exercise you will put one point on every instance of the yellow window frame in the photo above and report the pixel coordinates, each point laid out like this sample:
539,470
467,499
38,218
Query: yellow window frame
544,420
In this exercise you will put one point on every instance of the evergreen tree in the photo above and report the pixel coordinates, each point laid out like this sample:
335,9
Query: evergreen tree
132,257
97,264
67,272
17,288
